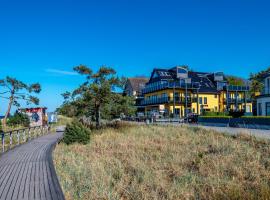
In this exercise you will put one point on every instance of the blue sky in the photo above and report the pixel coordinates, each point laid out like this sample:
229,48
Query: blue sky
40,41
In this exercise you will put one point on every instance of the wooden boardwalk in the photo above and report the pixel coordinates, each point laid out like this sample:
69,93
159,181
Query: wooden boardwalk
27,171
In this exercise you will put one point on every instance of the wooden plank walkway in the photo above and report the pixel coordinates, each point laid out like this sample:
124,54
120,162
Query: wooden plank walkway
27,171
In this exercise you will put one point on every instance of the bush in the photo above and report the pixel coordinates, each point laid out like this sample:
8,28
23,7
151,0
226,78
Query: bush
76,133
236,114
19,119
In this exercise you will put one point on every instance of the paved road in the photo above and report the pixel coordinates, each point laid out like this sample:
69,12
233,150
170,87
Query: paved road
27,172
259,133
233,131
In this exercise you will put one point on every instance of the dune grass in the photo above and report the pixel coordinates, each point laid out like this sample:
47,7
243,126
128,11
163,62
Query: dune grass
164,162
61,121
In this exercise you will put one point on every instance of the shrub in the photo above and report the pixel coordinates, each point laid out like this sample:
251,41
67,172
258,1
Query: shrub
76,133
19,119
236,114
216,117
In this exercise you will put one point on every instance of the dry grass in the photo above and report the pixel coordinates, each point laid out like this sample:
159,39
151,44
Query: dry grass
62,121
158,162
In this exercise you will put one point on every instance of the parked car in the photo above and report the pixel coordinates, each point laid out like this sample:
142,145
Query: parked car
191,118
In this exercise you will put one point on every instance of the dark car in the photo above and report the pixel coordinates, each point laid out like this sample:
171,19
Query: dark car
191,118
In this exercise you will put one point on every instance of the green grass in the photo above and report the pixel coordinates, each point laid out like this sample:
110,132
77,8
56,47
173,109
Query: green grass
164,162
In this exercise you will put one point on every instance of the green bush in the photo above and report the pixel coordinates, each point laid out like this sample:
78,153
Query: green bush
76,133
236,114
257,117
220,117
18,119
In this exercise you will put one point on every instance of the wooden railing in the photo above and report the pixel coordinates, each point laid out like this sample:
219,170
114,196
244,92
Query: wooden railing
14,138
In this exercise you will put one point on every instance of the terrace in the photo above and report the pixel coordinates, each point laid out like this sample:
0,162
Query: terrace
161,85
237,100
164,100
236,88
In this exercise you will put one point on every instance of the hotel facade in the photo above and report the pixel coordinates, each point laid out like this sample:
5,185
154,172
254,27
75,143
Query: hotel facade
177,92
263,100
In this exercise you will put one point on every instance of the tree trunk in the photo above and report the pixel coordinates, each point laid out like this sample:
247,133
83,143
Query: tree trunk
98,116
8,110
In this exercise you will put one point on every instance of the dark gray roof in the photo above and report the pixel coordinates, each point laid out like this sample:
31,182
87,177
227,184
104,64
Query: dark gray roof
205,80
138,84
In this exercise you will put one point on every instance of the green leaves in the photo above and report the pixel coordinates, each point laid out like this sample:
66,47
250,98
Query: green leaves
16,91
257,82
97,95
76,133
34,88
33,100
234,80
83,70
19,119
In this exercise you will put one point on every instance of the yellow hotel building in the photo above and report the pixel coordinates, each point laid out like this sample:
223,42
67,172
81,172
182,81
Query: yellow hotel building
177,92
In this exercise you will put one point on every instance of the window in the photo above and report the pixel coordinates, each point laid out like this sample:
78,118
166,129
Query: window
259,109
177,111
267,108
220,85
200,100
205,100
248,109
268,86
164,95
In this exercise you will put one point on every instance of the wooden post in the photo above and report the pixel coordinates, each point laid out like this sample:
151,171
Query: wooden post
10,139
3,142
18,137
29,134
24,136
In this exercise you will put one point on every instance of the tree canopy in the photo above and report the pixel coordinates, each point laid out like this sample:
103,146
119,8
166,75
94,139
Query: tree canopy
234,80
97,96
16,91
257,82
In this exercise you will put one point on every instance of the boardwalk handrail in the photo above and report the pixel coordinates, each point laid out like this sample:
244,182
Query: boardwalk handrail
11,139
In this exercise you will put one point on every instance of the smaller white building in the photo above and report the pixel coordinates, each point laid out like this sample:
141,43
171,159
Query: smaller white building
263,101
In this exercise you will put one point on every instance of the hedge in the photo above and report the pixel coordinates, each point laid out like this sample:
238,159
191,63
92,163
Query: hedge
261,120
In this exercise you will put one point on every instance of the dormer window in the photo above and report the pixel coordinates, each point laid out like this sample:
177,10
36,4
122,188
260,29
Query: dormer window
218,76
182,73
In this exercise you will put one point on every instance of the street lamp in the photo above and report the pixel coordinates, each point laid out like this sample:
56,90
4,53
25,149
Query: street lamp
187,81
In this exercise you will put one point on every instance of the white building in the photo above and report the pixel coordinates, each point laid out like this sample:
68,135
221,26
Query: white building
263,101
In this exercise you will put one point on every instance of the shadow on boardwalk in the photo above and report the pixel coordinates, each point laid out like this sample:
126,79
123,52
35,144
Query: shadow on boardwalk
27,172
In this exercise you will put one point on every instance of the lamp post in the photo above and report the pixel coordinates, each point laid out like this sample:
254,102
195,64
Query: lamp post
187,81
198,100
174,99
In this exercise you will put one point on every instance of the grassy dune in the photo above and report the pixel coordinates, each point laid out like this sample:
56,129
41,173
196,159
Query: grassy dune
158,162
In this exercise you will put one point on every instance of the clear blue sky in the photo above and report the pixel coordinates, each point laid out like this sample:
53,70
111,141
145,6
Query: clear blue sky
40,41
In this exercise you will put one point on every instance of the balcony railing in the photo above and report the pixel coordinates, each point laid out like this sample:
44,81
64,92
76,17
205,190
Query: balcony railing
163,100
239,100
236,88
265,91
167,85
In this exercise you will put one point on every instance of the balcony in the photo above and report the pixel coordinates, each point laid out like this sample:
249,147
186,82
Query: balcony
164,100
168,85
265,91
236,88
239,100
